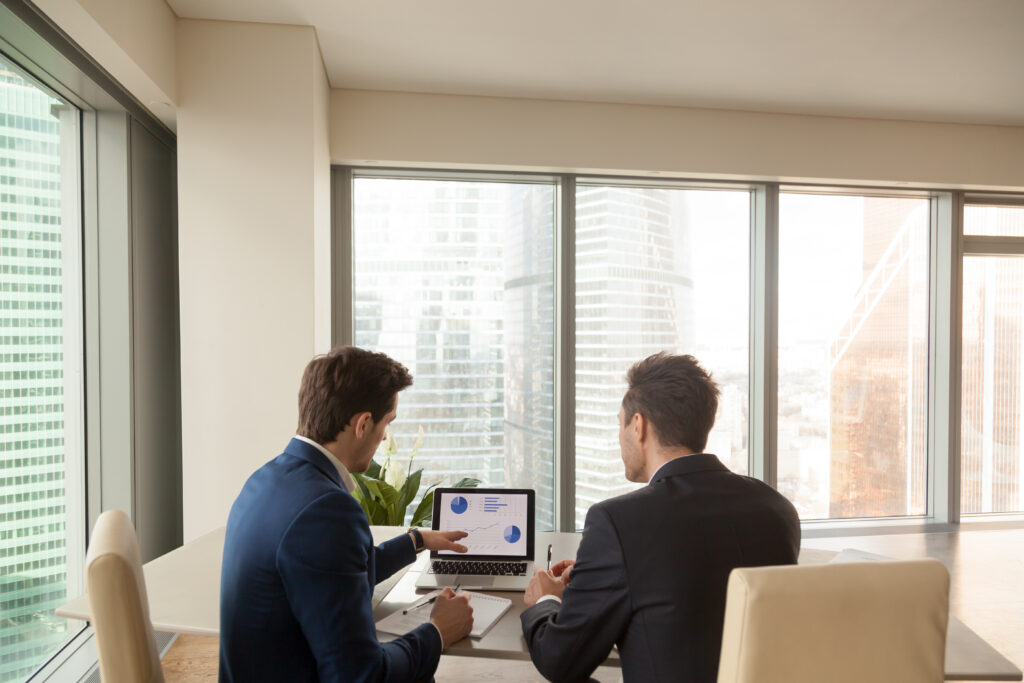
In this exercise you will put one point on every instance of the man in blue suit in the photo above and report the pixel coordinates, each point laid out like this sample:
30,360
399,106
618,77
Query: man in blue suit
299,562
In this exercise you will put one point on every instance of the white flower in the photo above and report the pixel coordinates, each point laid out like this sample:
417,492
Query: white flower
393,474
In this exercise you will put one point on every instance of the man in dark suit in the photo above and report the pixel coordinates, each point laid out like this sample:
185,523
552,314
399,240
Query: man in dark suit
299,561
651,571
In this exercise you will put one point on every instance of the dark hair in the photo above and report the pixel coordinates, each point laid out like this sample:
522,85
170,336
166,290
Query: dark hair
345,382
676,395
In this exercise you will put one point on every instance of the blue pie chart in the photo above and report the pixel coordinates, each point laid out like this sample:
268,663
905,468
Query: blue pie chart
512,534
459,506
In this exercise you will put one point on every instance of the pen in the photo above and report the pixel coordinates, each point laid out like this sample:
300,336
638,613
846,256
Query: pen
418,605
427,602
549,557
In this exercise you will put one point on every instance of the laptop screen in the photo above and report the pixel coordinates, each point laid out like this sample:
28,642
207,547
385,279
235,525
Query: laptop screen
499,521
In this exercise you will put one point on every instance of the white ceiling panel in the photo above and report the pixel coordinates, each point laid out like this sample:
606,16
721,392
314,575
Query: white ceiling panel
929,60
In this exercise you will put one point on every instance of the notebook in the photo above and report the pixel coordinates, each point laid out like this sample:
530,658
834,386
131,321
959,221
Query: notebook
487,609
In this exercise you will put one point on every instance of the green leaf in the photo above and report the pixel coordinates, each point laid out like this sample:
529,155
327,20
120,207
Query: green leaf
373,470
389,498
425,510
466,483
408,491
364,502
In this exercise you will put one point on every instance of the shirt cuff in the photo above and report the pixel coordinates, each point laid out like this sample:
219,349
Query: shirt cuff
549,597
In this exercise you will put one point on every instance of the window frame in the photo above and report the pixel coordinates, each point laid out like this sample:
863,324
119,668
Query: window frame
104,315
946,248
977,245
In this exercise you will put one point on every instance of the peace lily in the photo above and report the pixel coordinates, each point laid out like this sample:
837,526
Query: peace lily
385,492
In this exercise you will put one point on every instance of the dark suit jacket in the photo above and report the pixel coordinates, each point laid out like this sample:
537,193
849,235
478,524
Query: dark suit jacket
651,574
298,574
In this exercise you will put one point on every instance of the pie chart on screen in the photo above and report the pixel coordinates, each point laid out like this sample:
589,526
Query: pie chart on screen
459,505
512,534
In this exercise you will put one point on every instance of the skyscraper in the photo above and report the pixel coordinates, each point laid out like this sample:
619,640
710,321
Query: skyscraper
32,457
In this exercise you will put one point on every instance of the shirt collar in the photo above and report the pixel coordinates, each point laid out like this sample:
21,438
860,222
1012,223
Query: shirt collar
346,478
687,464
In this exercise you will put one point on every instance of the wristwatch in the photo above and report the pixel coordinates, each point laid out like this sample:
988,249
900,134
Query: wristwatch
417,538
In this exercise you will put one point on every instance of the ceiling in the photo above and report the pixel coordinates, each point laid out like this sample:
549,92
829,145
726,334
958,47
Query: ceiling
926,60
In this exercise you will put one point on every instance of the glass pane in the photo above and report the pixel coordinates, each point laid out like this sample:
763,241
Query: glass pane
991,447
657,269
455,280
41,508
998,221
853,346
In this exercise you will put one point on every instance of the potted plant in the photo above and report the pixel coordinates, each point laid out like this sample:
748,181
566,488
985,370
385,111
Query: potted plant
386,491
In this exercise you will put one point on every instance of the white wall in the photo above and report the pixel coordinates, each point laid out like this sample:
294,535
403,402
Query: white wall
446,131
134,40
252,169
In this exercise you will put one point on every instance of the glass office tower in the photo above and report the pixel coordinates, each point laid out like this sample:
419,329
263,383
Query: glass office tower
33,564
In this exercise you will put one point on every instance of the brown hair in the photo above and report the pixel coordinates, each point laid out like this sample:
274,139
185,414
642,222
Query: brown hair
345,382
676,395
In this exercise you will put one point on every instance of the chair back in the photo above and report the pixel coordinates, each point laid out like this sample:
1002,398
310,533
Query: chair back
117,600
842,623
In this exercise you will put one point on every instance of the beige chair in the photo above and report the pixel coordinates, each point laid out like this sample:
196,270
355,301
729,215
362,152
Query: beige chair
117,599
857,622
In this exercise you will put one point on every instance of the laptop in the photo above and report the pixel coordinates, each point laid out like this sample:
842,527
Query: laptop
500,523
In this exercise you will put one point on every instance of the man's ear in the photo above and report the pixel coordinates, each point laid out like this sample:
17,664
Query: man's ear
361,424
640,426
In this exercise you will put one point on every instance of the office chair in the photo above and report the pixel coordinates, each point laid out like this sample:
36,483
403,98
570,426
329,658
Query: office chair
117,600
842,623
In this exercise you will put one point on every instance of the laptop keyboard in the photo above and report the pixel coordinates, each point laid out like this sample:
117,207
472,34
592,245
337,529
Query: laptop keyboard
474,567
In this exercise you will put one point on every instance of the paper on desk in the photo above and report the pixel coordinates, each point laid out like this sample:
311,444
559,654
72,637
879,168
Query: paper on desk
487,609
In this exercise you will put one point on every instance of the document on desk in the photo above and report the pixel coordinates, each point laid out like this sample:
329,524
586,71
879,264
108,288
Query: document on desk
487,609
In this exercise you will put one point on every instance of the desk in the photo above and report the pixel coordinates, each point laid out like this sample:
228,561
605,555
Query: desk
184,597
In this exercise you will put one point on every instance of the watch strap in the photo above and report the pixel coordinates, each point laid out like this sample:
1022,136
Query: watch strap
417,538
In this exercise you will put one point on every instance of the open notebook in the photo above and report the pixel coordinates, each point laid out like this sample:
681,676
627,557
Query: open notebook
487,609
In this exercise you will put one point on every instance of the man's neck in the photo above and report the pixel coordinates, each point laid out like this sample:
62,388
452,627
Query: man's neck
662,456
341,452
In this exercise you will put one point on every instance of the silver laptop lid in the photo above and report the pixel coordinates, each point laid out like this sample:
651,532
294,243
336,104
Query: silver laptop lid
500,522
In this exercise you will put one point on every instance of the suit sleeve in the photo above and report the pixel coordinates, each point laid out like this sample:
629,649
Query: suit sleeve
323,564
393,555
568,641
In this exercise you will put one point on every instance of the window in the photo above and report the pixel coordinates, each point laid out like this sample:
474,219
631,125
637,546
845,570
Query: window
830,359
992,353
657,269
42,515
853,354
455,279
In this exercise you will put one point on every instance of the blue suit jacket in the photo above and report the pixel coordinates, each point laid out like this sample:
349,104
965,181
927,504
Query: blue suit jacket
296,581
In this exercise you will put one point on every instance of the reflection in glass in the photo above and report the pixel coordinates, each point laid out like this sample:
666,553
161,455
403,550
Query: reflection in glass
997,221
456,280
991,443
40,520
853,325
657,269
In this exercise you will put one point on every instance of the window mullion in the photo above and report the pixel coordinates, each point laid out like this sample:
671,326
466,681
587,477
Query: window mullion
945,358
565,354
764,340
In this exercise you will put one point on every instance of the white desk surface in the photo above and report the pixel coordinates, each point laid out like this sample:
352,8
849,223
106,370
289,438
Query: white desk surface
184,597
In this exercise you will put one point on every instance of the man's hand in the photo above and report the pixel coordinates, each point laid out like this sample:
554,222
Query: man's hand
452,616
543,583
443,540
562,570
